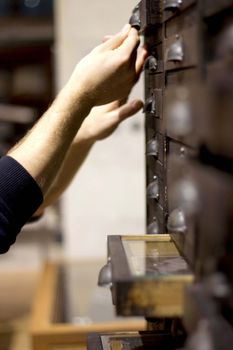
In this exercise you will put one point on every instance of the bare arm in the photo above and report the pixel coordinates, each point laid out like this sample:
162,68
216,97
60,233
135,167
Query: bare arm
106,74
100,123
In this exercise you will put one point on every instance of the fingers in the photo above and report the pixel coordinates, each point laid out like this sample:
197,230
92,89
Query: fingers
115,41
129,109
142,54
106,38
130,44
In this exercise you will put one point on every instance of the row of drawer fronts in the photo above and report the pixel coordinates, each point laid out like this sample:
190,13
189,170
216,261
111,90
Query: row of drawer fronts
180,51
192,114
182,45
194,195
151,13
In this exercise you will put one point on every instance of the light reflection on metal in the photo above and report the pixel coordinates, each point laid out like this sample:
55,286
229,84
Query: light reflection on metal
176,221
105,275
152,148
153,227
153,189
175,52
172,5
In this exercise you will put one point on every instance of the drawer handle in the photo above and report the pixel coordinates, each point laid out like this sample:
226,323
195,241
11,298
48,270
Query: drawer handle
105,275
151,64
176,221
135,20
153,227
152,148
150,105
153,189
175,53
172,5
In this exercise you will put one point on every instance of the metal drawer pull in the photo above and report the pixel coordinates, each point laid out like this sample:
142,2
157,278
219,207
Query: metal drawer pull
135,20
176,221
175,53
152,148
151,64
172,5
153,227
153,189
105,275
150,105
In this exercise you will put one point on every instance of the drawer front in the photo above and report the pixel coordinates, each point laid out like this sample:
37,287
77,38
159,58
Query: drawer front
181,49
180,151
173,8
182,114
215,214
185,20
182,77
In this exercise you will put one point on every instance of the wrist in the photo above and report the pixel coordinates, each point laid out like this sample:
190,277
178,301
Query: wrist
76,99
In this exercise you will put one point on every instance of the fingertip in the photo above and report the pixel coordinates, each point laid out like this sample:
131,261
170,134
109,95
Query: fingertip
137,104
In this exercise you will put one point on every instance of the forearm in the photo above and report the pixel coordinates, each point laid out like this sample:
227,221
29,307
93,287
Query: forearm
43,149
74,159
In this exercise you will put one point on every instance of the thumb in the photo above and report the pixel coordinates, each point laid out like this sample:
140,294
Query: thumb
129,109
115,41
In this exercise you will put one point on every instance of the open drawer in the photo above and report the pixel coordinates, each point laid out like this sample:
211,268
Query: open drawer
148,275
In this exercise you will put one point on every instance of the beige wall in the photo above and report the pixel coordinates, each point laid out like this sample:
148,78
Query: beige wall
107,196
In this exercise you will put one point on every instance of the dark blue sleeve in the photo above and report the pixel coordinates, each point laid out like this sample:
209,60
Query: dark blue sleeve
20,197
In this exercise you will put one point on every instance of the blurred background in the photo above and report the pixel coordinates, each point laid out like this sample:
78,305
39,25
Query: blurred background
40,43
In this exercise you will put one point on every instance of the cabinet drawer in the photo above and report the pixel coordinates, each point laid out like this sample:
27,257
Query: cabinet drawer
182,77
181,49
148,275
215,227
182,114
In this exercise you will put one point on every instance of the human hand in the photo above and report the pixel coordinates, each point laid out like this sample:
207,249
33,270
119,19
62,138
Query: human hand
109,72
103,120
